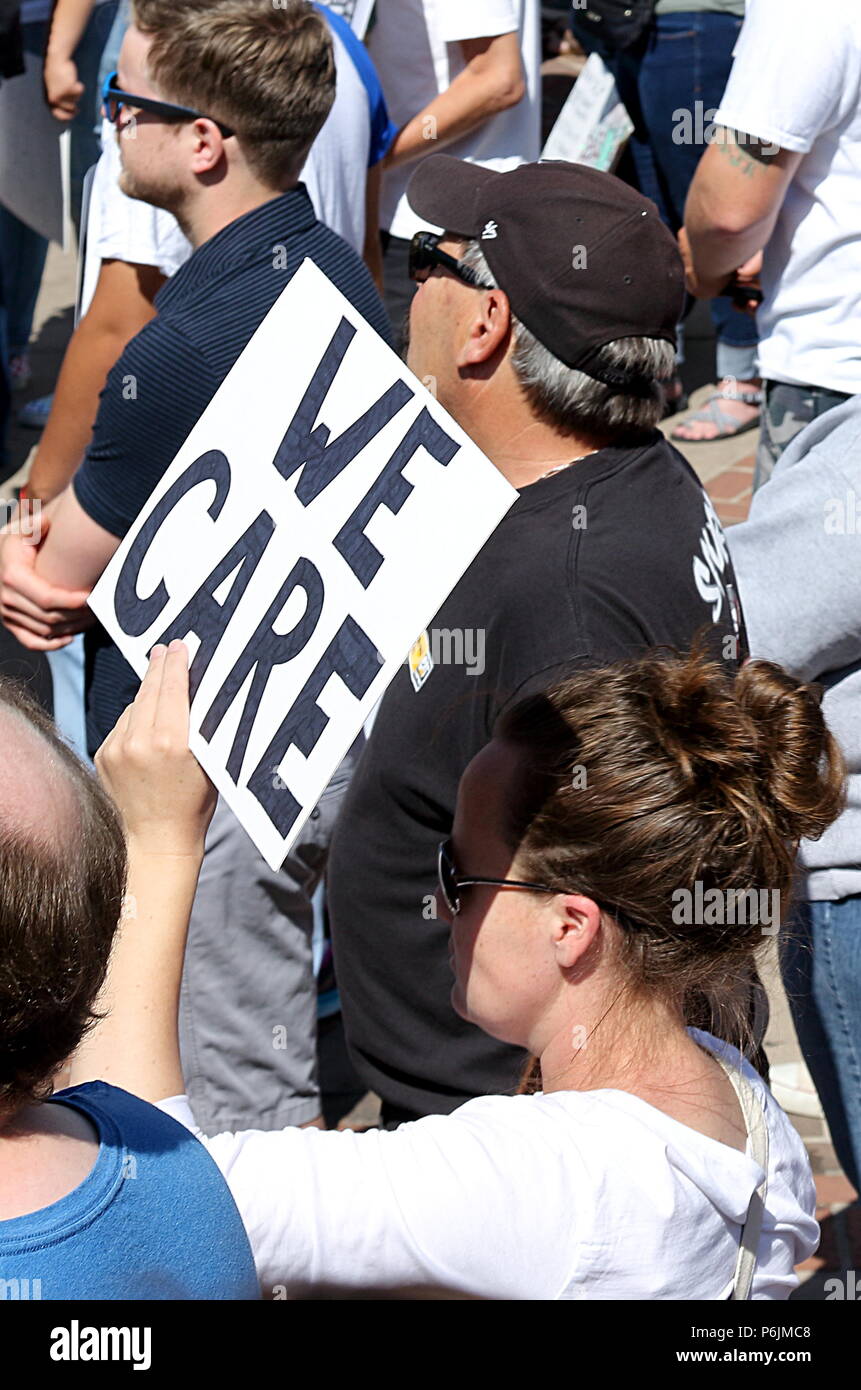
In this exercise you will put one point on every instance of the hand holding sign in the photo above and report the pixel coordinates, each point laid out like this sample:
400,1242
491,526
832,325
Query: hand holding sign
299,557
165,798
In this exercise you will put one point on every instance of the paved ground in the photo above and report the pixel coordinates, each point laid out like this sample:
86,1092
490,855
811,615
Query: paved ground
726,469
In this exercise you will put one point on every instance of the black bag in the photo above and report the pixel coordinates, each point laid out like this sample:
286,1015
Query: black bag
619,23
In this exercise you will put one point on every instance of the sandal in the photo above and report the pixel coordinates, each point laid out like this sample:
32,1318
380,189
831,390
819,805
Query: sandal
711,413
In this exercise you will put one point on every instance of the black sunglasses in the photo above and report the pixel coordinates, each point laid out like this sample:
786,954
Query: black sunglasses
450,884
425,254
114,99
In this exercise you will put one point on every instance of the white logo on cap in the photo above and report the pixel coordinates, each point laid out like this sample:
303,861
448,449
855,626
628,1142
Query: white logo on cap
489,231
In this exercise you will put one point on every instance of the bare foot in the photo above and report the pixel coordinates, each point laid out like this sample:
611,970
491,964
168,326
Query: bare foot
697,430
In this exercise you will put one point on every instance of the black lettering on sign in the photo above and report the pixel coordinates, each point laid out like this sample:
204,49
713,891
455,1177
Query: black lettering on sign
206,617
135,614
304,443
390,490
352,656
264,650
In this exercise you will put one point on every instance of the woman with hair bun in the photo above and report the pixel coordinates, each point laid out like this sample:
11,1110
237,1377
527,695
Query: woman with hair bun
618,849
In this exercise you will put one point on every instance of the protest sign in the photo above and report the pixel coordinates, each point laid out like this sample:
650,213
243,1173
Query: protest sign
310,527
593,126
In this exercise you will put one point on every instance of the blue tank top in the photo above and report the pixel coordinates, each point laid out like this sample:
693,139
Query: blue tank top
153,1220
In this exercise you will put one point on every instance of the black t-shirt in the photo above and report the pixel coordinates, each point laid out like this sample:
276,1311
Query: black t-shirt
620,552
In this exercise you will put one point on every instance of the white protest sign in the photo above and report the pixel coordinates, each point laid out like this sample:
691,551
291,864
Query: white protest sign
311,525
593,126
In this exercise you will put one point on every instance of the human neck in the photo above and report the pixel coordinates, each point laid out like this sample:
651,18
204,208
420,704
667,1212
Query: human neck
617,1043
522,447
46,1151
217,206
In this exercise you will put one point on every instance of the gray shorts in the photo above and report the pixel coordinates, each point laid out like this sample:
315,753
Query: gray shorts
786,412
248,1012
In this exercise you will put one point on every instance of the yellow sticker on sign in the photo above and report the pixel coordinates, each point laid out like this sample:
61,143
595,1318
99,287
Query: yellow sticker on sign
420,661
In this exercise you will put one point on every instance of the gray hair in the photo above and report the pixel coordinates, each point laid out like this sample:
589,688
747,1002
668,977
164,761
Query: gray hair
572,401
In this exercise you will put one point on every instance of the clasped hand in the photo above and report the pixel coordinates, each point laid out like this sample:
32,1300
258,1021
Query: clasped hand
42,616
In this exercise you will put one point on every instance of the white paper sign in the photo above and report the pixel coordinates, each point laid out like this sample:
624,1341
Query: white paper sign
311,525
593,126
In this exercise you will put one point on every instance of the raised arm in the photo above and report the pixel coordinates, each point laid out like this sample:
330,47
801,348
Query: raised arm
167,802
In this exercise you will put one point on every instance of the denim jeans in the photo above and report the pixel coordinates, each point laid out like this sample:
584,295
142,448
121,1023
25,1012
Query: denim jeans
821,967
669,82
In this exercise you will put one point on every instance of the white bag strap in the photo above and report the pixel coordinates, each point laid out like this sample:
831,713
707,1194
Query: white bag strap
757,1131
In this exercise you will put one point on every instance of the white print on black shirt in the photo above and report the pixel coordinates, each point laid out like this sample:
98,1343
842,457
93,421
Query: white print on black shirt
710,568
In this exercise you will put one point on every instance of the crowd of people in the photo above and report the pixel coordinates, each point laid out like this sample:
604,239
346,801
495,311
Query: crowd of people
510,864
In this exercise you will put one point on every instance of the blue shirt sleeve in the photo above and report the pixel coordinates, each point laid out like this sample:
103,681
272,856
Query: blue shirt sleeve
383,131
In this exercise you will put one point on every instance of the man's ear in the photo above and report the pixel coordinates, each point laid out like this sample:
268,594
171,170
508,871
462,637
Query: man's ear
207,146
489,328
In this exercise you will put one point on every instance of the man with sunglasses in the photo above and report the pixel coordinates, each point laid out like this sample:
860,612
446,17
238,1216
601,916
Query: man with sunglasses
220,143
544,319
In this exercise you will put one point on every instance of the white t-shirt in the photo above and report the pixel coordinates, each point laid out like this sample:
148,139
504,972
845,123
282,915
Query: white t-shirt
415,45
125,229
335,174
796,82
593,1194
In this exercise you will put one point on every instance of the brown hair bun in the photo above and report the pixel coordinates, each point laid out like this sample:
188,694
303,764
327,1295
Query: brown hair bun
793,744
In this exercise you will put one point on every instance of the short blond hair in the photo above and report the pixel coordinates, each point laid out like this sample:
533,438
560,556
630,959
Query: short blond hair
265,69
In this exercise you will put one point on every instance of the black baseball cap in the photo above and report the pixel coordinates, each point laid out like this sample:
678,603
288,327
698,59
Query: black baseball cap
583,258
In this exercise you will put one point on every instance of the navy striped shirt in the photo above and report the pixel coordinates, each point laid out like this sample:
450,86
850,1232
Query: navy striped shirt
168,374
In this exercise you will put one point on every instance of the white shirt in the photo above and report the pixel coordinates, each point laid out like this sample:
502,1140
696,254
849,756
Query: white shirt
592,1194
126,229
796,82
335,174
415,45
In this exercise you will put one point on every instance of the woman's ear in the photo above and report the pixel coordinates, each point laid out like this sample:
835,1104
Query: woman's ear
489,328
576,923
